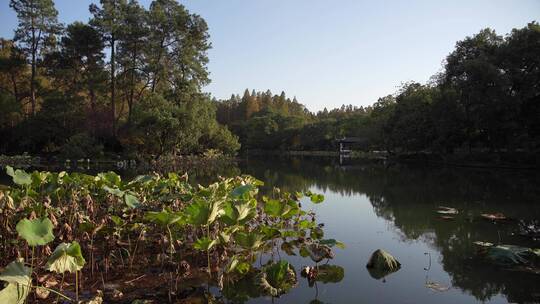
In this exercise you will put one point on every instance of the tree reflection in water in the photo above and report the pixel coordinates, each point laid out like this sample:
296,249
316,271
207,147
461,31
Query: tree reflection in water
409,195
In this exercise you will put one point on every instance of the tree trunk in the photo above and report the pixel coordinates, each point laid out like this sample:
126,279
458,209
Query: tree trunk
113,87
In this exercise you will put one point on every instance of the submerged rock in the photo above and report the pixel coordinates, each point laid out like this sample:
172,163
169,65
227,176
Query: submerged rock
382,264
383,260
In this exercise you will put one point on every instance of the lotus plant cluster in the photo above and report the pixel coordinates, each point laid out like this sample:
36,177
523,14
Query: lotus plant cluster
86,231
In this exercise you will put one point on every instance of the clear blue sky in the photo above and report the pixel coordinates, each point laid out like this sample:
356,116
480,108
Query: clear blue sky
328,52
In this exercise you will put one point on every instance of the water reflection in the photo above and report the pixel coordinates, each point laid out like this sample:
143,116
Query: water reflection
408,197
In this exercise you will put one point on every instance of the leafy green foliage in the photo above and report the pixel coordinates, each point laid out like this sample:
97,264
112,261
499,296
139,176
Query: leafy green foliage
36,232
226,216
19,177
19,282
66,258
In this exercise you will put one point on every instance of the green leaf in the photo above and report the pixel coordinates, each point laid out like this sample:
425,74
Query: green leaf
276,208
19,281
242,191
197,213
36,232
277,278
230,214
19,177
249,240
66,257
204,244
163,218
332,243
132,201
316,198
114,191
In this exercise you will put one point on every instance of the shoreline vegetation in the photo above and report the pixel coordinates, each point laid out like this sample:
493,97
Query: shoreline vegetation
213,164
62,96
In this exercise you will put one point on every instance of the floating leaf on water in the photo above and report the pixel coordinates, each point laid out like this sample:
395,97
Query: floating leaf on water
447,210
36,232
316,198
66,258
509,255
19,281
437,286
483,244
493,216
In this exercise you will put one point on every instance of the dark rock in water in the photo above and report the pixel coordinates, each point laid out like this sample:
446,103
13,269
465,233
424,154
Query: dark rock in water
382,264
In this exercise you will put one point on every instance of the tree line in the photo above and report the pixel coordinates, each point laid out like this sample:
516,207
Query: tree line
486,98
127,81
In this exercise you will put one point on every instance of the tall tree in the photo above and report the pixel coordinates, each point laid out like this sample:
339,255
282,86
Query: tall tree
108,20
38,25
132,38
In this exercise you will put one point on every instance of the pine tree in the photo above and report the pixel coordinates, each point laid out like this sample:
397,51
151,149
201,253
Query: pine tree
38,26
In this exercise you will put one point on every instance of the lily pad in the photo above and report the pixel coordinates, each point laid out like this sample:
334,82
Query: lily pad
36,232
66,257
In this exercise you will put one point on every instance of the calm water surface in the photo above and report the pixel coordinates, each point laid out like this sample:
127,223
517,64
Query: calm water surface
394,207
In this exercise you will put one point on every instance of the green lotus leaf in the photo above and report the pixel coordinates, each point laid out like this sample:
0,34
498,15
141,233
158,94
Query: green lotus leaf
201,212
19,281
132,201
316,198
249,240
114,191
19,177
276,208
246,210
163,218
66,257
332,243
277,278
204,244
230,214
36,232
242,191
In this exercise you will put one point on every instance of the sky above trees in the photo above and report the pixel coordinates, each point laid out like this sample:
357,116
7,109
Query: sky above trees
328,53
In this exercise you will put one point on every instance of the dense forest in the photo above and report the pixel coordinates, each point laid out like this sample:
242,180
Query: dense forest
487,98
130,81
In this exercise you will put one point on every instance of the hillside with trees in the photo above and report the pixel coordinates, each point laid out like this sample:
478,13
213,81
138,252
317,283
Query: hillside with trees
487,98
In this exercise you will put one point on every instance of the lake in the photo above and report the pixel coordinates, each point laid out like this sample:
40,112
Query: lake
393,207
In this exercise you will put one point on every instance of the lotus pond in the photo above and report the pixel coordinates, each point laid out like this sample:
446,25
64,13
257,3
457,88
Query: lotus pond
459,235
